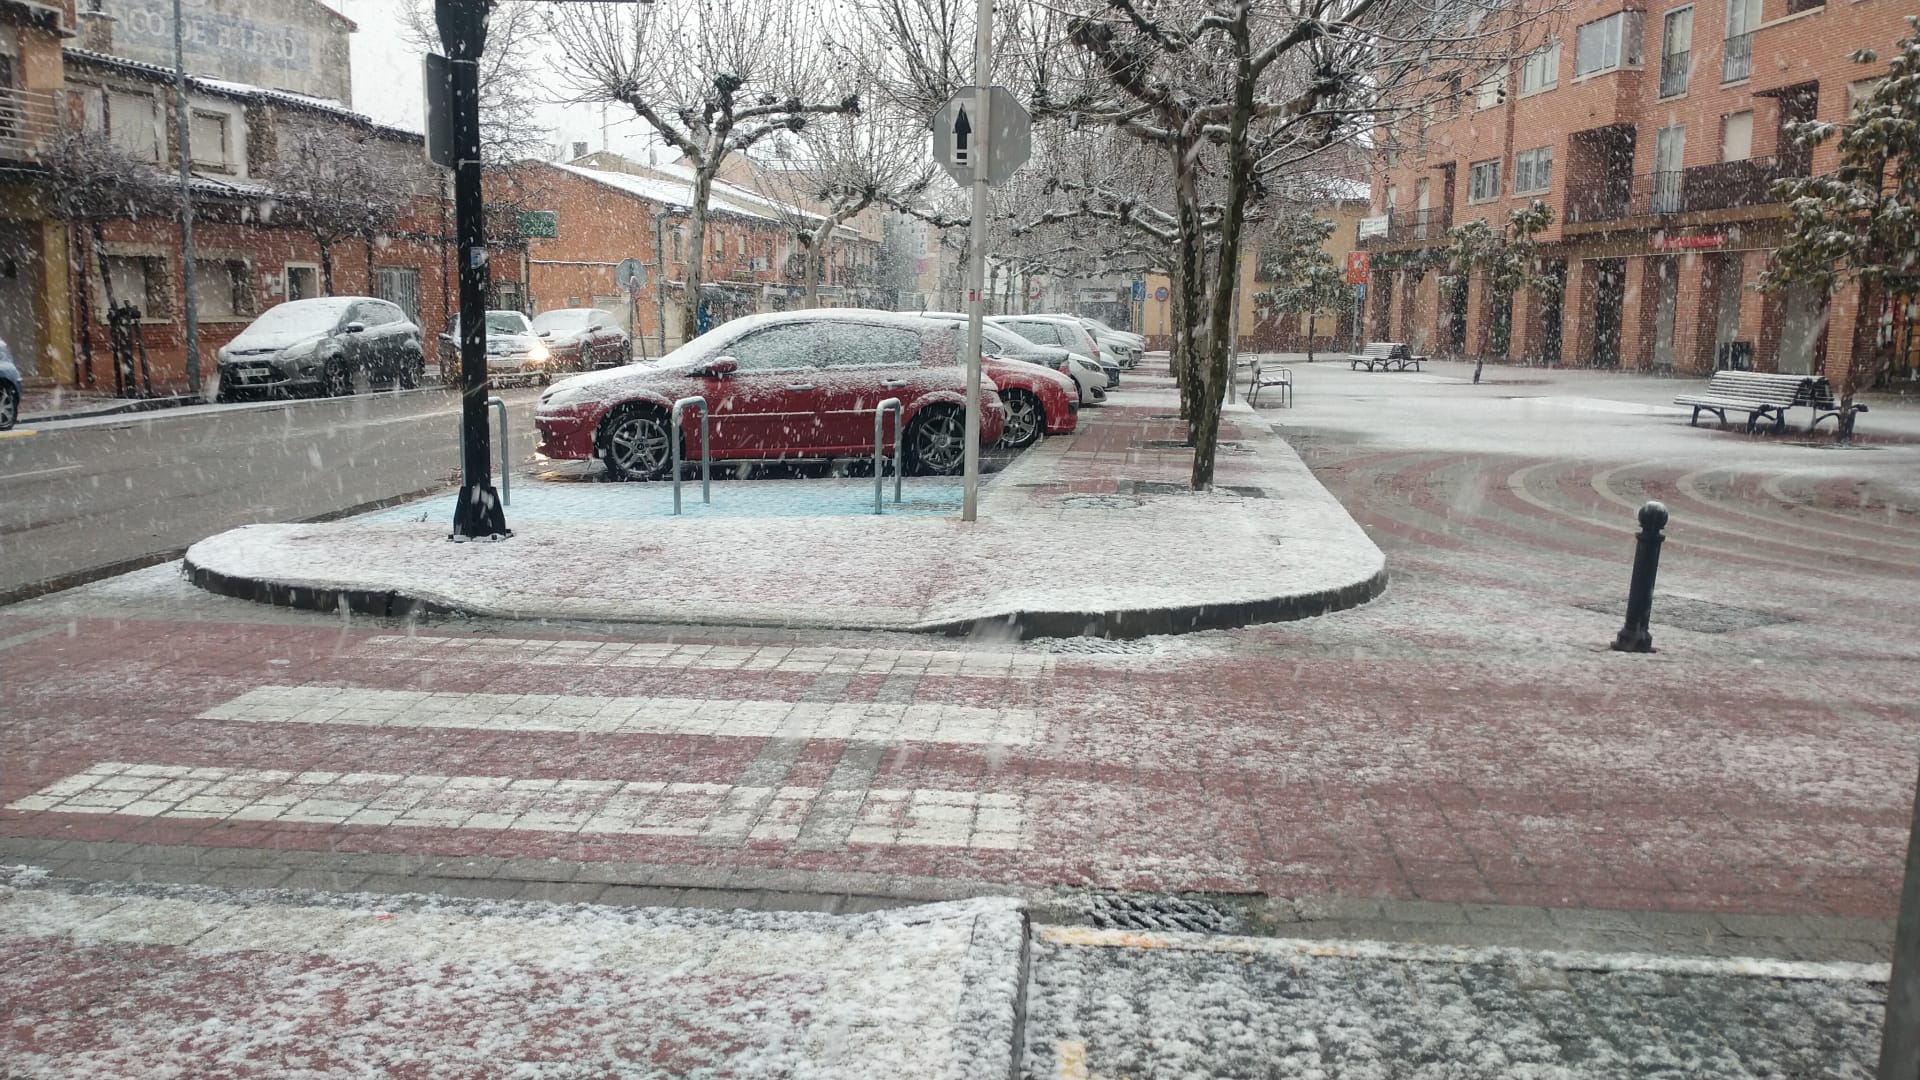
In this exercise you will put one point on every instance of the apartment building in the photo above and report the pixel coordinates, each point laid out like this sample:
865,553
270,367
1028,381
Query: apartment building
1655,129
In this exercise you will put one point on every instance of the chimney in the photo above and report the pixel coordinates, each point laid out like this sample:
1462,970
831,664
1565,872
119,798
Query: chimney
579,150
96,27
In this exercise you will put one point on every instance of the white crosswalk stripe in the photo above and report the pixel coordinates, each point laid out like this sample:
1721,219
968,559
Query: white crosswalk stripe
782,659
716,812
876,722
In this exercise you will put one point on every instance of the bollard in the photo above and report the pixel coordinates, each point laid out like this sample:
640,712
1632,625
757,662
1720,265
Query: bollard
1634,636
673,424
506,481
880,411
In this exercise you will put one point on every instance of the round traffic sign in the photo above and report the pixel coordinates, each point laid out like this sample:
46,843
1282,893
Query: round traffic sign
630,275
1160,294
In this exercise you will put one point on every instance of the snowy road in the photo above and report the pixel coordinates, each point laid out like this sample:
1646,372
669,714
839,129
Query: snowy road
76,495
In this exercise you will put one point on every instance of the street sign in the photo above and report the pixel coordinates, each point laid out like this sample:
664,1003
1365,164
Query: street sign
539,224
1038,288
1356,268
1161,294
630,276
1139,290
439,115
960,146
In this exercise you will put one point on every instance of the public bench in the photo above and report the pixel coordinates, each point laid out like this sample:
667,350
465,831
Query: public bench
1763,396
1264,376
1385,356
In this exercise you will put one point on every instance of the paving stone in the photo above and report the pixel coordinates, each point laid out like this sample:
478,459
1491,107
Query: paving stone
640,896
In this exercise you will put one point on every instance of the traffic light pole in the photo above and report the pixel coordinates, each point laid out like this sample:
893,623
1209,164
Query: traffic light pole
463,33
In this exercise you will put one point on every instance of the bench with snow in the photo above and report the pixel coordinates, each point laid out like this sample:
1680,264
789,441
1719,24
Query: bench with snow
1762,396
1385,356
1265,375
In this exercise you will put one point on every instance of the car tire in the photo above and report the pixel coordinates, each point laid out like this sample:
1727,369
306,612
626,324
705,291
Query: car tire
1026,420
223,395
337,379
9,406
413,370
633,443
936,441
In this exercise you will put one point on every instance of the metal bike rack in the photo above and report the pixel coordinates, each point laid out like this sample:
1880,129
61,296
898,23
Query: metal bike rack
880,411
706,480
506,481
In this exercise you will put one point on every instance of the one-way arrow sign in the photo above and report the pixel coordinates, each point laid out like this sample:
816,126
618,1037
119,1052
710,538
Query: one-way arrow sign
962,147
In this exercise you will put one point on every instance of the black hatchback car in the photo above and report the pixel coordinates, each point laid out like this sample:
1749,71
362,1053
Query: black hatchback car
320,345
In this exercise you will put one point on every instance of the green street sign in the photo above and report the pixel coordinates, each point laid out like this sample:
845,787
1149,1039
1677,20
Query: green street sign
539,224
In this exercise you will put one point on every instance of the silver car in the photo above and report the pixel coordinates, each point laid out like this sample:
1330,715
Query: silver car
320,344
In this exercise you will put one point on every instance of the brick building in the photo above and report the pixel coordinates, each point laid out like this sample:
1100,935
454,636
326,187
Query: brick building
605,208
1654,129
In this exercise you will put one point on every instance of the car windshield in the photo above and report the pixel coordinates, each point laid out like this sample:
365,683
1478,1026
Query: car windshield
564,321
301,317
506,322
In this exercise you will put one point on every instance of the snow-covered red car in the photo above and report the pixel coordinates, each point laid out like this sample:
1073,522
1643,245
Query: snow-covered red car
1040,400
779,386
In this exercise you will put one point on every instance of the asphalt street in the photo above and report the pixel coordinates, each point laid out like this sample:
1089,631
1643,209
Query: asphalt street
80,495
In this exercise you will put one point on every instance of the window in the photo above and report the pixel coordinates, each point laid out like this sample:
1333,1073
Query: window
1676,52
1736,54
1541,70
140,280
1453,96
1736,137
777,348
209,142
679,238
1393,196
742,238
399,285
1859,93
1483,181
222,289
1038,332
1669,151
1390,151
857,346
719,243
1608,43
1491,90
302,281
1533,171
133,123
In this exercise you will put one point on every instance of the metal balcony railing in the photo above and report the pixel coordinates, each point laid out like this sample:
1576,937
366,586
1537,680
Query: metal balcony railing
29,120
1674,68
1721,186
1736,58
1667,195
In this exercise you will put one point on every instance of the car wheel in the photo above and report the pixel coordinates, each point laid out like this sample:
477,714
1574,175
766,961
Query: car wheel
339,379
936,443
224,394
634,443
9,406
1026,420
412,370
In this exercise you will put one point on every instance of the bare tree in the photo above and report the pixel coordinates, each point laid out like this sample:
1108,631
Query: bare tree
85,180
335,186
713,79
510,75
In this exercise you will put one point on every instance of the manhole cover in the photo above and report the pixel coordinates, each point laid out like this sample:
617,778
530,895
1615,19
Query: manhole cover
1152,911
1100,502
1088,646
1698,616
1167,487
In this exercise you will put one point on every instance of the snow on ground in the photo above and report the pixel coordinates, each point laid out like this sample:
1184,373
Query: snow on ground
805,561
129,981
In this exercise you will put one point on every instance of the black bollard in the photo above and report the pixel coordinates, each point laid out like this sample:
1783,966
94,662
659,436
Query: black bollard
1634,636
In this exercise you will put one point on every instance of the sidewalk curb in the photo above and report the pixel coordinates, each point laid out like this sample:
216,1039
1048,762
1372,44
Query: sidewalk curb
131,405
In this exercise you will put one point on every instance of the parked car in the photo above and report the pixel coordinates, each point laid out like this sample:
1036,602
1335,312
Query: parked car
582,339
1089,379
320,344
782,385
514,352
1041,399
1064,331
1123,347
10,388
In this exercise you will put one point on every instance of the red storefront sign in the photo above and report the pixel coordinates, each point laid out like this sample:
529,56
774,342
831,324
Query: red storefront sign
1661,242
1356,268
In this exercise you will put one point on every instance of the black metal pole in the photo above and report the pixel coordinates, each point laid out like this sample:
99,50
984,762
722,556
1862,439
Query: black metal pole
463,33
1900,1031
1634,636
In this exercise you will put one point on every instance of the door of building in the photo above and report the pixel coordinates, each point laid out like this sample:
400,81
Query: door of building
1609,304
1726,315
1553,310
1803,321
1666,302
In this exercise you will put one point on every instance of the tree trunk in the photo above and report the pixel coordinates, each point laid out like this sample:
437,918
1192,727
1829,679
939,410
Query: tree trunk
822,239
326,267
86,313
1215,369
370,291
696,252
1186,278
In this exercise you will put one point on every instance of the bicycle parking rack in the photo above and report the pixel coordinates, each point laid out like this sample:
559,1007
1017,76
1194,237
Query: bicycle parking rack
506,482
880,411
706,479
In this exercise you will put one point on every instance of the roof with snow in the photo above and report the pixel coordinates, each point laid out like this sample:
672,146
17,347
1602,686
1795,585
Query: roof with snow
243,91
672,186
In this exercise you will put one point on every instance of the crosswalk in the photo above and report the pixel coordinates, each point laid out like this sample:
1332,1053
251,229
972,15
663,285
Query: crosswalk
775,659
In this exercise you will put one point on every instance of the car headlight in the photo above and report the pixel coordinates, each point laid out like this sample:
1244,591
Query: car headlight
561,396
538,353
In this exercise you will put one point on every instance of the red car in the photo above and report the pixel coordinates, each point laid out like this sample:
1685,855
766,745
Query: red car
1040,401
799,384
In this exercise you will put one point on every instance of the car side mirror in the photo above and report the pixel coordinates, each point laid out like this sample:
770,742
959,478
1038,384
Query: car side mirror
721,366
355,327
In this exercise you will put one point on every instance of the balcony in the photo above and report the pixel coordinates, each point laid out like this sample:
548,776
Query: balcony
1727,185
29,120
1413,226
1674,68
1736,58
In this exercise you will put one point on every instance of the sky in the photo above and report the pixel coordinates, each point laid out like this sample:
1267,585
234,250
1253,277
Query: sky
386,85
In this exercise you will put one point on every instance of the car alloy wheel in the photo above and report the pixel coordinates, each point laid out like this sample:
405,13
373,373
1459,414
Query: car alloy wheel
1025,420
9,407
937,441
634,444
412,369
339,379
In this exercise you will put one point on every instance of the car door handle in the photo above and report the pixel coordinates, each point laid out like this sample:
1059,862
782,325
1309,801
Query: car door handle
801,386
894,384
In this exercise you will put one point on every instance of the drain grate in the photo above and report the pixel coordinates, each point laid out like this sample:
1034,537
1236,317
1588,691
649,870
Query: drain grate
1699,616
1167,487
1087,646
1223,446
1100,502
1155,911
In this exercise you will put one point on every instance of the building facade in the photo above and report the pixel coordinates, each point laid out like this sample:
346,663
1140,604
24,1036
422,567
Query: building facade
300,46
1655,130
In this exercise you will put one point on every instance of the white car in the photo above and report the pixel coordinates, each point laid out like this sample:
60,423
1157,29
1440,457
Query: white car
1089,377
1127,346
1065,331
